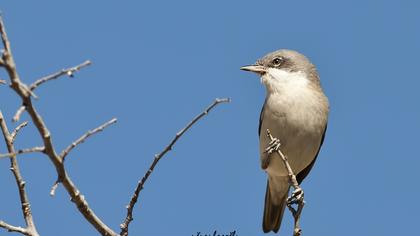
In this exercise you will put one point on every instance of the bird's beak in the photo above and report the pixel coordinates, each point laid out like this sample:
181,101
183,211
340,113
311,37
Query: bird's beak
255,68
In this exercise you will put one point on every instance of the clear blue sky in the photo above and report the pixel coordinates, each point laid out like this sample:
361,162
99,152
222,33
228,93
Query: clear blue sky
156,64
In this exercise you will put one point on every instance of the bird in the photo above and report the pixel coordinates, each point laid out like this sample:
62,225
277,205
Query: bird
295,111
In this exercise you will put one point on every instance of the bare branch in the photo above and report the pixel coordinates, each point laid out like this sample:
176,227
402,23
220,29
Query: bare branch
12,228
2,81
16,130
69,72
5,39
66,151
131,204
54,187
22,151
297,195
9,64
14,167
18,114
25,94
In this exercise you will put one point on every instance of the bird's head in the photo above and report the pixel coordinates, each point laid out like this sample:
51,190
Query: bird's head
284,70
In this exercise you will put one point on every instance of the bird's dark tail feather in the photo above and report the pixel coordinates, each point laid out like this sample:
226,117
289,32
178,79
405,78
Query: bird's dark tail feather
273,213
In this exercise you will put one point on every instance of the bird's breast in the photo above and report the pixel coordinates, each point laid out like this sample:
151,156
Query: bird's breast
298,120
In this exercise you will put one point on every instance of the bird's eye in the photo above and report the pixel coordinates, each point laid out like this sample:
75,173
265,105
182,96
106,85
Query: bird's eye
277,61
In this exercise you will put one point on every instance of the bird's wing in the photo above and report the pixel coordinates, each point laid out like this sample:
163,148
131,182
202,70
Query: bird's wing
301,175
261,118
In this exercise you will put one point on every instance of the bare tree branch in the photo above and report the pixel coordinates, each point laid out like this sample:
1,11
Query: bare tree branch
18,114
17,129
24,200
12,228
133,200
25,94
66,151
22,151
2,81
54,187
297,195
69,72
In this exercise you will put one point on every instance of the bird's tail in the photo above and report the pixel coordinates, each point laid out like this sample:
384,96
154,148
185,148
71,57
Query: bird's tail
275,203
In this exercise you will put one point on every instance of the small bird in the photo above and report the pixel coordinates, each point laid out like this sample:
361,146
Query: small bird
296,113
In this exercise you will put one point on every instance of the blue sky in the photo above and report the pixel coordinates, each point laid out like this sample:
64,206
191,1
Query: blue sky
156,64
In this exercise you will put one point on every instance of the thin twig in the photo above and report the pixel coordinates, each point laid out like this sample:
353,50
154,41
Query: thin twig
25,94
2,81
22,151
133,200
24,200
293,181
12,228
80,140
18,114
69,72
54,187
5,39
17,129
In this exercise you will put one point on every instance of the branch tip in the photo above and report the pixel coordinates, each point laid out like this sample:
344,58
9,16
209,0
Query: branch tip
80,140
68,71
17,129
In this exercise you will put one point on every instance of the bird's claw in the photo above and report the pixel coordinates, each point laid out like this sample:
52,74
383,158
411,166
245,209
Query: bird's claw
296,197
273,146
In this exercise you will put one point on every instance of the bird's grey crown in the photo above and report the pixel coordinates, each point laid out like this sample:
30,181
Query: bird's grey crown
291,61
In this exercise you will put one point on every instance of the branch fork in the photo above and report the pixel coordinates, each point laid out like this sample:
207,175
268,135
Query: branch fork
9,138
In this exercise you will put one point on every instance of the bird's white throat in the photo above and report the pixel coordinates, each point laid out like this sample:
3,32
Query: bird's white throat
279,81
